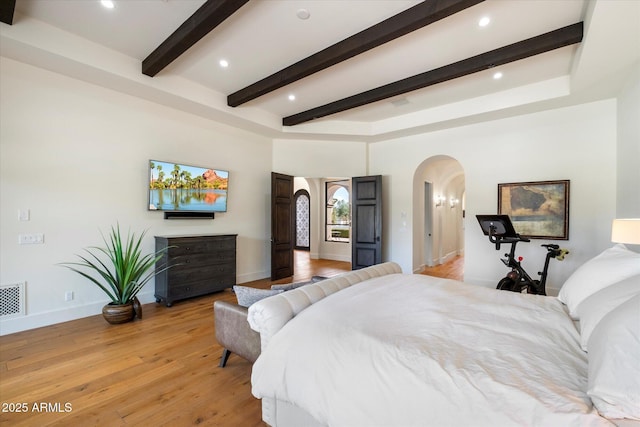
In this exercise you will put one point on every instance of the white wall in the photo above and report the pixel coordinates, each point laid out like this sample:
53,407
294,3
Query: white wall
628,200
76,156
576,143
319,160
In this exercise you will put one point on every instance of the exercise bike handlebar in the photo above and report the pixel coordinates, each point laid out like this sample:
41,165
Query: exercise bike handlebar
498,240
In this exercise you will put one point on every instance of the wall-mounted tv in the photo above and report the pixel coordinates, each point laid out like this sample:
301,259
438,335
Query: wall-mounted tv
175,187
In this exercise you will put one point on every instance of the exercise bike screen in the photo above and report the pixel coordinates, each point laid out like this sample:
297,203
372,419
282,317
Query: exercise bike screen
502,224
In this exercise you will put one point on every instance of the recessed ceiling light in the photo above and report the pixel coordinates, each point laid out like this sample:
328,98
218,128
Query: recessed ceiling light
484,21
497,75
224,63
292,97
303,14
109,4
400,102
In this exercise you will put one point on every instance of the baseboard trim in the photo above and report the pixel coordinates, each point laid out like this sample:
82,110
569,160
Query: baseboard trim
39,320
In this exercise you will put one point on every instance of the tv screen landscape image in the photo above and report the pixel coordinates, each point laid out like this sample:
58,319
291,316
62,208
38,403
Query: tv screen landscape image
175,187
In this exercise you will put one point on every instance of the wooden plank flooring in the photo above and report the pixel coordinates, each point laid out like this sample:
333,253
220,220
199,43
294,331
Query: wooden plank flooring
158,371
453,269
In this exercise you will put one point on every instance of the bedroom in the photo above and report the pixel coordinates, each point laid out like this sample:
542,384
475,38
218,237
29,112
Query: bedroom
80,136
75,154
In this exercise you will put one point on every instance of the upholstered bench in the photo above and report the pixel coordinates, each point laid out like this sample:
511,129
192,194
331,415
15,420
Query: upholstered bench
234,333
232,328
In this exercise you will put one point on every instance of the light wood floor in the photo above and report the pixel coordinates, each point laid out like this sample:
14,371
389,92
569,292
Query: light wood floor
161,370
453,269
158,371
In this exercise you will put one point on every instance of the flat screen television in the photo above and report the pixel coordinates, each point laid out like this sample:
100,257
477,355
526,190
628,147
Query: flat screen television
176,187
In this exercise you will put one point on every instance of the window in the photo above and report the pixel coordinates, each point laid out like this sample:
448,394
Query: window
338,211
303,219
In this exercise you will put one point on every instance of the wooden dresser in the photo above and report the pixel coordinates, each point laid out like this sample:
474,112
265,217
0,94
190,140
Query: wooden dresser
202,264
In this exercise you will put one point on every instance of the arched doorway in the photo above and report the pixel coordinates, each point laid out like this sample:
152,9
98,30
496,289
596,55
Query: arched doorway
438,210
302,202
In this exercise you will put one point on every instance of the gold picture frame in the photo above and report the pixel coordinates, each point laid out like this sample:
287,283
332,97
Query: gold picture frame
538,210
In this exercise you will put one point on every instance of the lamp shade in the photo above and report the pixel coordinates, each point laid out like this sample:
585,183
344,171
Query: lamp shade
626,231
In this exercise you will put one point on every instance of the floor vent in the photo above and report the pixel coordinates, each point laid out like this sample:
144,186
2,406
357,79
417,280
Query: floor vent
12,301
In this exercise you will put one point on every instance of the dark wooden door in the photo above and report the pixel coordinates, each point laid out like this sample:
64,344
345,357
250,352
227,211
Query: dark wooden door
366,246
282,226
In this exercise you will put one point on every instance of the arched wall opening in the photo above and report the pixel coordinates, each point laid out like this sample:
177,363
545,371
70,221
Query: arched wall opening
438,211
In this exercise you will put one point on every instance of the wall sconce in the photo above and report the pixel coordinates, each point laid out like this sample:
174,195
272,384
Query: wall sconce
453,202
439,200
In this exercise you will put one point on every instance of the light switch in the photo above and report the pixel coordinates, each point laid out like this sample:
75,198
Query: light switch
23,214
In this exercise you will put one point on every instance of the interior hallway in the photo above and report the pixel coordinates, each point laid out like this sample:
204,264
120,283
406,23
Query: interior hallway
453,269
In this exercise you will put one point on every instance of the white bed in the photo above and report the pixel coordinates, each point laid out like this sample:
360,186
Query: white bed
425,351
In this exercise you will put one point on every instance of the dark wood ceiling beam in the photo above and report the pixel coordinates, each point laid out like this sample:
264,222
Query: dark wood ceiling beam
398,25
7,9
204,20
534,46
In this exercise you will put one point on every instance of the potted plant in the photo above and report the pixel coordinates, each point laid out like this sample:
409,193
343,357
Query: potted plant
120,270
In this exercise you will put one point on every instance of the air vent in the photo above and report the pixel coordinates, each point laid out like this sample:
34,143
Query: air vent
12,300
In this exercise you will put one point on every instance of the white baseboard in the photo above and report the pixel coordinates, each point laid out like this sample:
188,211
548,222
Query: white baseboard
337,257
448,257
38,320
250,277
439,261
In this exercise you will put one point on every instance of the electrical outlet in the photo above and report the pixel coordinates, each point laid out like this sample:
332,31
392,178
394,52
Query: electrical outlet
68,296
31,239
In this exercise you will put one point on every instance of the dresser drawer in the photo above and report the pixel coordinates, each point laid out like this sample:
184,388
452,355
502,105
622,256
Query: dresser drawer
187,247
195,289
185,273
200,260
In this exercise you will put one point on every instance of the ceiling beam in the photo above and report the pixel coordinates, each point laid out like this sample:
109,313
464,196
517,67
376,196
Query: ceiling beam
398,25
204,20
536,45
7,8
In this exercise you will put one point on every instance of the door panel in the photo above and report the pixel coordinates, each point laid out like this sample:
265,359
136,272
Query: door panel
282,226
366,247
365,216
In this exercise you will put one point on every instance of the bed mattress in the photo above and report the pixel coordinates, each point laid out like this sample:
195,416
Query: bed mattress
414,350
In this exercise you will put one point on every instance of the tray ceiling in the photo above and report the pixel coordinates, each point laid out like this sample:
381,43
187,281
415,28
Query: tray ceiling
357,68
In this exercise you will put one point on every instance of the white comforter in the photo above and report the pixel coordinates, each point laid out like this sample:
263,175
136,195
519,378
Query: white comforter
412,350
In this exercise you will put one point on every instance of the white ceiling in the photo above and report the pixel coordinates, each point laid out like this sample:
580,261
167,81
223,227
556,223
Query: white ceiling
265,36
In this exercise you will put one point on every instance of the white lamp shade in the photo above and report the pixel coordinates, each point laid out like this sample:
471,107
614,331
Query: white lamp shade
626,231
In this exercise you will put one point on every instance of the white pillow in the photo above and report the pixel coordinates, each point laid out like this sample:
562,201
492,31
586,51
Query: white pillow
614,362
596,306
247,296
611,266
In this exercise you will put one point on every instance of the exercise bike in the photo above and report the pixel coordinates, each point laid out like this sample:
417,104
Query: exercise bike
500,231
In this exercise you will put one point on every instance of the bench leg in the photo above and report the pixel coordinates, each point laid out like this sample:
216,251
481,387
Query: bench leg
225,356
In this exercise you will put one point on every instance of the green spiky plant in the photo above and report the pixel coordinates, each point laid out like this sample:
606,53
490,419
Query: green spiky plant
127,270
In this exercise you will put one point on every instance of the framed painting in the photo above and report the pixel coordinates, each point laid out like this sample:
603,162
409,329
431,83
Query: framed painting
538,210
